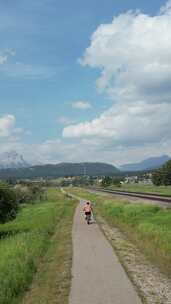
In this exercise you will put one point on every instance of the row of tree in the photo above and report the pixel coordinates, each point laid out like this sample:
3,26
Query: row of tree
108,181
162,176
11,198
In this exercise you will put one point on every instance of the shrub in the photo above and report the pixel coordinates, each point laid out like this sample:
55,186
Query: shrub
162,176
8,203
29,193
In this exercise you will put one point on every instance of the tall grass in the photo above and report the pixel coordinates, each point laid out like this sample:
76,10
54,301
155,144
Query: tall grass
148,226
162,190
51,283
24,241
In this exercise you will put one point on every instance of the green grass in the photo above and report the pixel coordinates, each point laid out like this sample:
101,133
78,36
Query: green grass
148,226
25,241
162,190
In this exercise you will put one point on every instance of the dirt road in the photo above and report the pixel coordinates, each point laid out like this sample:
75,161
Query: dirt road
98,277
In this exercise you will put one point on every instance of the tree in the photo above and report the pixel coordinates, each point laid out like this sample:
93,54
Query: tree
167,173
117,182
157,178
107,181
8,203
162,176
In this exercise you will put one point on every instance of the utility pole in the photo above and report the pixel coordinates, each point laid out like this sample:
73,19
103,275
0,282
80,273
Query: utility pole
85,170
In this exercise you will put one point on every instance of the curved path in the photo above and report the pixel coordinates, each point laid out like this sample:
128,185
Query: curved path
98,277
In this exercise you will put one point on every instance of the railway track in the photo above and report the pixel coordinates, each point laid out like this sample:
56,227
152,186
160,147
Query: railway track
148,196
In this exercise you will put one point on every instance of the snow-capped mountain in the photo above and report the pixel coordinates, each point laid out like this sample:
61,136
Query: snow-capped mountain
12,160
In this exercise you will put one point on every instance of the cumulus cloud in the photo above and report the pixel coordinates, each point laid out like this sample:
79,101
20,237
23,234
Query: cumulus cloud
9,132
81,105
7,124
138,123
133,54
91,149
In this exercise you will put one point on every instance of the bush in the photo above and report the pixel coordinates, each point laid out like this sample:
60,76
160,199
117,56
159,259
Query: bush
8,203
107,181
162,176
29,193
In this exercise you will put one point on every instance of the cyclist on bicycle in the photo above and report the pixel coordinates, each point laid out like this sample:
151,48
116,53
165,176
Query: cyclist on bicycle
87,209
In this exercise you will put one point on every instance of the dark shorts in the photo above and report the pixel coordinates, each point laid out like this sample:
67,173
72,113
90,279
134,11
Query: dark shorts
87,213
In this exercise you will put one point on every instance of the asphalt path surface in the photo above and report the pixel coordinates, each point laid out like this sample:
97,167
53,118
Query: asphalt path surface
97,275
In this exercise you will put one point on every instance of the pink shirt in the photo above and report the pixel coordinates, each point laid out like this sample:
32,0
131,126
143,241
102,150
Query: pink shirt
87,208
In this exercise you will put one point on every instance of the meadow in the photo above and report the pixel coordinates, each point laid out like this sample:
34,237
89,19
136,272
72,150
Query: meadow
26,241
162,190
148,226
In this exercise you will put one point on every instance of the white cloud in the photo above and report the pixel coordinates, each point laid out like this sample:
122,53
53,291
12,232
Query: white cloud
7,124
138,123
11,52
9,132
64,120
27,71
3,59
20,69
133,55
166,9
92,149
5,55
81,105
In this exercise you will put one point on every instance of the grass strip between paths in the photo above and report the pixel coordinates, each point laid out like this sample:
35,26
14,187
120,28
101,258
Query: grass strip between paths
39,239
148,226
160,190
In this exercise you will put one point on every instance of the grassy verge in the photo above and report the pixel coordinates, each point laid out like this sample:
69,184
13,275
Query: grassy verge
27,239
162,190
147,225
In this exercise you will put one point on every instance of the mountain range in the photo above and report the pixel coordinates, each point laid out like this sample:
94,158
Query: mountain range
59,170
13,165
12,160
147,164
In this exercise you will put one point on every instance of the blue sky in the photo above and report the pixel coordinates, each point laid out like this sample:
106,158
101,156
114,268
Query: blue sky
43,82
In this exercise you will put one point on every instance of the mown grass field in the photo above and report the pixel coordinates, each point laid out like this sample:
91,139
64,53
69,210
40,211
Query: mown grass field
162,190
148,226
32,239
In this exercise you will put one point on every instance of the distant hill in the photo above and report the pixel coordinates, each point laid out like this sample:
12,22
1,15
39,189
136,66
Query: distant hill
60,170
12,160
147,164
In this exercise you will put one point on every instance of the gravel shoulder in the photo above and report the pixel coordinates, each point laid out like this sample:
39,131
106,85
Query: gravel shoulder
153,286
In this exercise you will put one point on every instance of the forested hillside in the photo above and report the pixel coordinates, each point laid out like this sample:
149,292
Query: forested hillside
60,170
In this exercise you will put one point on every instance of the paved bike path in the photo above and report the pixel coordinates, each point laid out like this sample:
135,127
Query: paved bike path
97,275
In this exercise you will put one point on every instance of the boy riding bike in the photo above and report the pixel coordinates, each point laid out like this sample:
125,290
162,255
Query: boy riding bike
88,211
